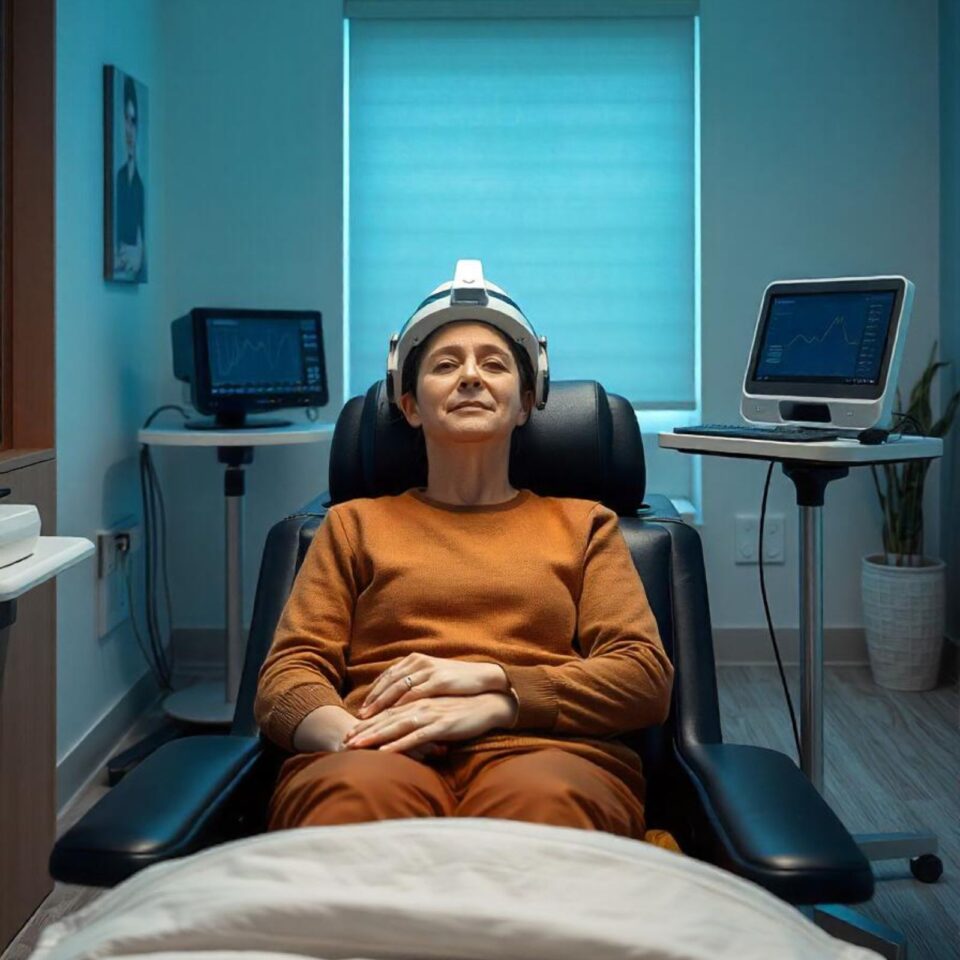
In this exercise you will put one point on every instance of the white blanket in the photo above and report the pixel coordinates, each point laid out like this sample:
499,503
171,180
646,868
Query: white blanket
438,888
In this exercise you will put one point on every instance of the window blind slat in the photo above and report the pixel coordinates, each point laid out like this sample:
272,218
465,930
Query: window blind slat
506,9
561,154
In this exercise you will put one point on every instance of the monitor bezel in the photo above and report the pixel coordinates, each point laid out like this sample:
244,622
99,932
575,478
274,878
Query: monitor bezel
803,389
208,403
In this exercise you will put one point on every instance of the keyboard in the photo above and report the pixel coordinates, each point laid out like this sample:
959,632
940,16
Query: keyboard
789,434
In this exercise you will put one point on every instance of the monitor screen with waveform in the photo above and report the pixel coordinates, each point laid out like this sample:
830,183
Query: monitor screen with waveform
825,337
263,353
239,360
260,355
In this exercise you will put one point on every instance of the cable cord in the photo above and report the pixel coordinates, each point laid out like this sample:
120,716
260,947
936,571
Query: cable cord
151,563
766,610
155,557
125,565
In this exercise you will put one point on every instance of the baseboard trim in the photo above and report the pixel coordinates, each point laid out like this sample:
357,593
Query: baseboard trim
735,646
89,756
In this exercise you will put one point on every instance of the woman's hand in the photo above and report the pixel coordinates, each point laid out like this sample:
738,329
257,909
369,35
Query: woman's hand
406,727
326,728
419,752
419,676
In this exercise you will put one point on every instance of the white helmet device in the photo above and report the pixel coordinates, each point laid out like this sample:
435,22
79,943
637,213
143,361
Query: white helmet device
468,297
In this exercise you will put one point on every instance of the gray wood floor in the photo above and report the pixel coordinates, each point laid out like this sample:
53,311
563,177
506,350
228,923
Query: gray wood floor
892,765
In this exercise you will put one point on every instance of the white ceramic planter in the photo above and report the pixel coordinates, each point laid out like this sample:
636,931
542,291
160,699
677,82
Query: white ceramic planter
903,615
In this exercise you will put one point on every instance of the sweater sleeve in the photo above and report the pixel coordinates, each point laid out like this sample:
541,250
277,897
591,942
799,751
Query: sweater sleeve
306,664
624,678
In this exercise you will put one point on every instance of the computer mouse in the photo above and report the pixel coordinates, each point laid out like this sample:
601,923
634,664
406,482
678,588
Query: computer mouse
873,436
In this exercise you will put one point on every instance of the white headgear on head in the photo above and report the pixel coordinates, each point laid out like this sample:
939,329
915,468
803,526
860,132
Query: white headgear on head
468,297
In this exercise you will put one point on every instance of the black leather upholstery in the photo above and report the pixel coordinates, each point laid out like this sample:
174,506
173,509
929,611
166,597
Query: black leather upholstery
762,828
582,444
177,802
750,810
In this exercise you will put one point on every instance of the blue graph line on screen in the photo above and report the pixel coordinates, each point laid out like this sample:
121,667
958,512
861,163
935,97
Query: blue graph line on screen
232,355
838,321
777,351
844,344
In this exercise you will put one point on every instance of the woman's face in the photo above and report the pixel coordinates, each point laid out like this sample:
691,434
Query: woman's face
468,386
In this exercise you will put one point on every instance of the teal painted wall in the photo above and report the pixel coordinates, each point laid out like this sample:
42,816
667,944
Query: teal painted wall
106,342
820,157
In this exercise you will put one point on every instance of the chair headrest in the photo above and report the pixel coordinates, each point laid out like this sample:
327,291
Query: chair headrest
585,443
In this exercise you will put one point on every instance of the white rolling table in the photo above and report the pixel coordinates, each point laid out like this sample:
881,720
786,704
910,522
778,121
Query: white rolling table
214,703
811,466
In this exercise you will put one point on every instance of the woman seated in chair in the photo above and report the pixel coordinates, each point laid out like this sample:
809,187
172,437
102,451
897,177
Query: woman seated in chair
465,649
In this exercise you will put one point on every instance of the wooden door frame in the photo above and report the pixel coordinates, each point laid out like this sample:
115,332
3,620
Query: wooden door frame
27,301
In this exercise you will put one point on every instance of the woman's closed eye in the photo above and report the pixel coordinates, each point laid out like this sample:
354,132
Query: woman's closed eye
444,365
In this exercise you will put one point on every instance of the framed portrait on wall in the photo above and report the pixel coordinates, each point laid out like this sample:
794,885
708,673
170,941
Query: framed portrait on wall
125,126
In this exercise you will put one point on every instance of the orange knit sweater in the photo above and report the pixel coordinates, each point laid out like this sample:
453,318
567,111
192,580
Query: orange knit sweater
543,586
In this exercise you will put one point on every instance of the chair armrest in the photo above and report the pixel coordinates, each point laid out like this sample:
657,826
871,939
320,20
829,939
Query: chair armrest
764,821
287,544
172,804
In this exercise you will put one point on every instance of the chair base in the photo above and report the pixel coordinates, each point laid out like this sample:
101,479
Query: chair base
860,931
854,928
919,848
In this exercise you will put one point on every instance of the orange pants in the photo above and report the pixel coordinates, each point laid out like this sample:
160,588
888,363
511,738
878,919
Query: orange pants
516,783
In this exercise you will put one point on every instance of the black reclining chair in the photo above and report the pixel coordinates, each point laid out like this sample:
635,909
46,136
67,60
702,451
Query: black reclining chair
747,809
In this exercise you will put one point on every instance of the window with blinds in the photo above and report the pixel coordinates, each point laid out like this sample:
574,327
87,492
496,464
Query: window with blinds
561,153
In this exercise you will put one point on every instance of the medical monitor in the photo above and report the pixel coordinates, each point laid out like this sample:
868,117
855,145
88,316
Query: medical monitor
240,361
827,352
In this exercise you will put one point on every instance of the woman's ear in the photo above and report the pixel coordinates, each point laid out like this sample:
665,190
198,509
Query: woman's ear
526,403
408,406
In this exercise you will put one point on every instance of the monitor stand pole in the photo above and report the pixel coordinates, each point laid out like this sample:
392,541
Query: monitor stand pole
811,481
214,703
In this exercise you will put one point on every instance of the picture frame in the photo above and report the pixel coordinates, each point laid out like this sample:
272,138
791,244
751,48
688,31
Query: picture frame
125,142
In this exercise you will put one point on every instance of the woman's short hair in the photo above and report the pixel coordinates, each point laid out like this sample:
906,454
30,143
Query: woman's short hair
411,366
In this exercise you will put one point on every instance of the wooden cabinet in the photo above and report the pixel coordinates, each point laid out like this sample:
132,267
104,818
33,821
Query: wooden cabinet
28,727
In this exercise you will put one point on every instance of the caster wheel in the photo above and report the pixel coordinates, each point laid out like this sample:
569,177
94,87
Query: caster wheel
926,868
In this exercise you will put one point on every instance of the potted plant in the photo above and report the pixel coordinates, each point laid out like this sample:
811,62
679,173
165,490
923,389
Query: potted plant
903,590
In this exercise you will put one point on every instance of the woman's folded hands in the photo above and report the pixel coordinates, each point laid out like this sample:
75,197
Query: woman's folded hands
416,725
421,701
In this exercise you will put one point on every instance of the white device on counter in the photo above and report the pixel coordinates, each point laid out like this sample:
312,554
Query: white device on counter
19,532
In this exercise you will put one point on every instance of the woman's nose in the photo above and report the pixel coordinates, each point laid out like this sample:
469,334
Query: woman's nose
470,373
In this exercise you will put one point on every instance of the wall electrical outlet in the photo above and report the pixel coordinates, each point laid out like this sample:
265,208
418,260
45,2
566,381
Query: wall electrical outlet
773,536
112,601
746,536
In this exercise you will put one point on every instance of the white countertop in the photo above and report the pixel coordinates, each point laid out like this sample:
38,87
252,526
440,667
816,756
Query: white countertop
849,451
53,555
